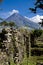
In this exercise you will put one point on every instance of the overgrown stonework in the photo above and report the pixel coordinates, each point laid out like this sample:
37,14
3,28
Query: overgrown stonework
14,47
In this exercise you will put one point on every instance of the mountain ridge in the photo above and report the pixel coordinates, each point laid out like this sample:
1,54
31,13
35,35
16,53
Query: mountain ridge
22,21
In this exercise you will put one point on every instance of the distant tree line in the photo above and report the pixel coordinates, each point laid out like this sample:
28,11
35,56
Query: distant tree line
4,23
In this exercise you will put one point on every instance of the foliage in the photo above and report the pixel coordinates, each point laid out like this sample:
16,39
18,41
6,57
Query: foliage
0,44
27,46
38,4
4,31
37,33
4,23
34,35
41,23
2,35
27,61
11,24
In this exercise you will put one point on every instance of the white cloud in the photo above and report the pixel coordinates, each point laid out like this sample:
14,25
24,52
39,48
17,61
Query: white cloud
13,11
35,19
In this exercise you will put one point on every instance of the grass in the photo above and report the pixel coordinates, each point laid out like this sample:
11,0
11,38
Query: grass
30,61
27,61
12,62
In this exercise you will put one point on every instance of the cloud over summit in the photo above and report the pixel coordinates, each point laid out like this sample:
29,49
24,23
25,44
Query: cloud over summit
35,19
13,11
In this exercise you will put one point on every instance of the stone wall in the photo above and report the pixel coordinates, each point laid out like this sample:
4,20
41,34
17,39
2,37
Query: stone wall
15,47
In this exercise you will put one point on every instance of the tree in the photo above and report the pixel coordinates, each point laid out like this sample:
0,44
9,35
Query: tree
4,23
38,4
11,24
2,35
34,35
41,23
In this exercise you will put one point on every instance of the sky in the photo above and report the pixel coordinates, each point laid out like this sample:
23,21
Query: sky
18,6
